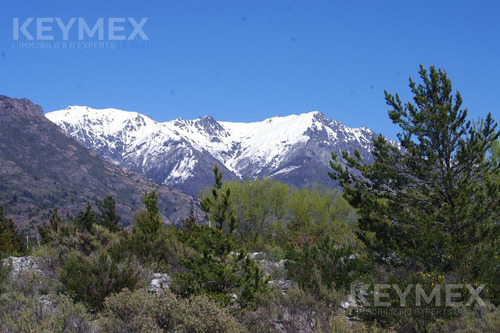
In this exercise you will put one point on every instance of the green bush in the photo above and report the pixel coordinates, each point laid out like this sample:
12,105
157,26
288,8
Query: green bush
91,280
339,323
32,282
69,238
140,311
130,312
296,310
320,264
25,313
160,252
5,269
199,314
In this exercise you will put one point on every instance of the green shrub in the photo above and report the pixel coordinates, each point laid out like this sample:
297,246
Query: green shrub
297,310
199,314
91,280
32,282
140,311
160,252
5,269
21,313
130,312
340,324
69,238
316,265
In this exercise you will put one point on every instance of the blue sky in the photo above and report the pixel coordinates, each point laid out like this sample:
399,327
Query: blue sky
241,60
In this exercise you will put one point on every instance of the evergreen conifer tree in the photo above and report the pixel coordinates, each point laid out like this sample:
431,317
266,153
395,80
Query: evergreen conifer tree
219,269
218,206
47,231
433,202
9,237
109,217
86,219
149,221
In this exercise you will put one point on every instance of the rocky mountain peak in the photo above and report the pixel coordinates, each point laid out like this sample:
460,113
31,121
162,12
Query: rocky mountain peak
210,126
14,107
319,116
295,149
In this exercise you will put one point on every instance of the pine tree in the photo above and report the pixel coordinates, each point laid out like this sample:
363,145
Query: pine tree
149,221
218,207
434,202
109,217
219,269
9,237
47,232
190,221
86,219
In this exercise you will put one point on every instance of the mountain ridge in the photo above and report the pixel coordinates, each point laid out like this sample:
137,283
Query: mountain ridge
41,166
180,153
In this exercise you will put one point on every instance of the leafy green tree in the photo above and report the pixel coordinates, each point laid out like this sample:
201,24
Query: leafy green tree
109,217
259,205
271,214
86,219
218,206
47,231
149,221
9,236
317,212
432,202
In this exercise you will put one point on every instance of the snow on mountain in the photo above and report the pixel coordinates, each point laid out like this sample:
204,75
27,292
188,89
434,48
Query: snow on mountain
180,153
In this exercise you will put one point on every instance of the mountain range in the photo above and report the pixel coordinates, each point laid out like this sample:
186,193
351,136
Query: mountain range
42,167
295,149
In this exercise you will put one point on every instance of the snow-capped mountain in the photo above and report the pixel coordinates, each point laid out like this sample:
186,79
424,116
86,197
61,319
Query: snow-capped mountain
181,153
